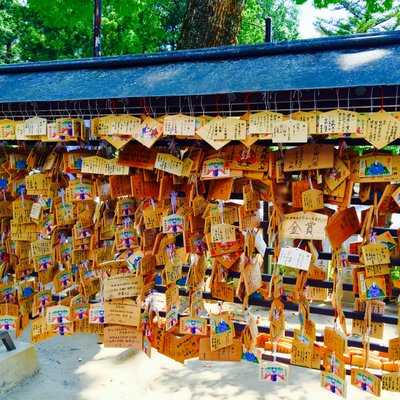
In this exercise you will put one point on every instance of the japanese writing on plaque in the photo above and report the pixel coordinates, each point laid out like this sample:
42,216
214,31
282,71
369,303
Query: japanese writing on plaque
295,258
122,285
304,225
263,122
309,157
290,131
222,233
122,336
180,124
375,254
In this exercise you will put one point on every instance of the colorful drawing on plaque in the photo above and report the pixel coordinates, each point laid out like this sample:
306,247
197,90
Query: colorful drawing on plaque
194,326
364,382
96,314
58,315
43,298
62,329
44,262
82,192
126,239
127,208
219,325
65,128
8,293
373,287
334,385
247,157
215,168
274,372
80,311
8,323
173,223
64,279
148,132
199,246
375,166
250,356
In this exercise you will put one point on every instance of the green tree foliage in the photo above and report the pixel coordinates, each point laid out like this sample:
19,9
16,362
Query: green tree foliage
359,19
172,15
8,27
284,21
39,30
372,6
39,39
128,26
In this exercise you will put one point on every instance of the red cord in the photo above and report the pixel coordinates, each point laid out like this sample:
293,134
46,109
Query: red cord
246,100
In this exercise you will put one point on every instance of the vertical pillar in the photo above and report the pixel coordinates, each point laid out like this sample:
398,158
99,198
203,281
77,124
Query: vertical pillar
97,29
268,30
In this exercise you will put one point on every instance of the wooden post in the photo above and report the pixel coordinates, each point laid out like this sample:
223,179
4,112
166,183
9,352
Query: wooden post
268,30
97,29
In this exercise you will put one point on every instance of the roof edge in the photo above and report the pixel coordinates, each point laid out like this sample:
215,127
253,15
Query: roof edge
211,54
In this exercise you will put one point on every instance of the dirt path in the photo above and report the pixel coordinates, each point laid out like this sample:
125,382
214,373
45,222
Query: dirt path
79,368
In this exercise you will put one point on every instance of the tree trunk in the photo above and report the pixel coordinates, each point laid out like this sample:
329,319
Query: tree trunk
211,23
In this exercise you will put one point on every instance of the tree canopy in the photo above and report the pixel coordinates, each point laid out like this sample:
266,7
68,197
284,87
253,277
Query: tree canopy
372,6
358,19
285,21
54,29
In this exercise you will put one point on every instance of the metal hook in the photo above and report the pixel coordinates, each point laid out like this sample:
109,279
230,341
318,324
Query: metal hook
337,97
9,110
264,99
276,105
372,101
151,108
165,106
299,94
348,98
124,101
397,98
34,106
66,109
187,98
89,108
315,100
108,105
2,110
97,110
298,97
190,105
80,109
201,105
180,105
51,111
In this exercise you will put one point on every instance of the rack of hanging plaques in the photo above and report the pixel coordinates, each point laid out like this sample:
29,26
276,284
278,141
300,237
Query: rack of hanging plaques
251,220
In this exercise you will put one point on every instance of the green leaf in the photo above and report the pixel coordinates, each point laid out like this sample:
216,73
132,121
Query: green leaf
284,16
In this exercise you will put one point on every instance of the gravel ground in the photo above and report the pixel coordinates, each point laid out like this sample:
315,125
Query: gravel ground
79,368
